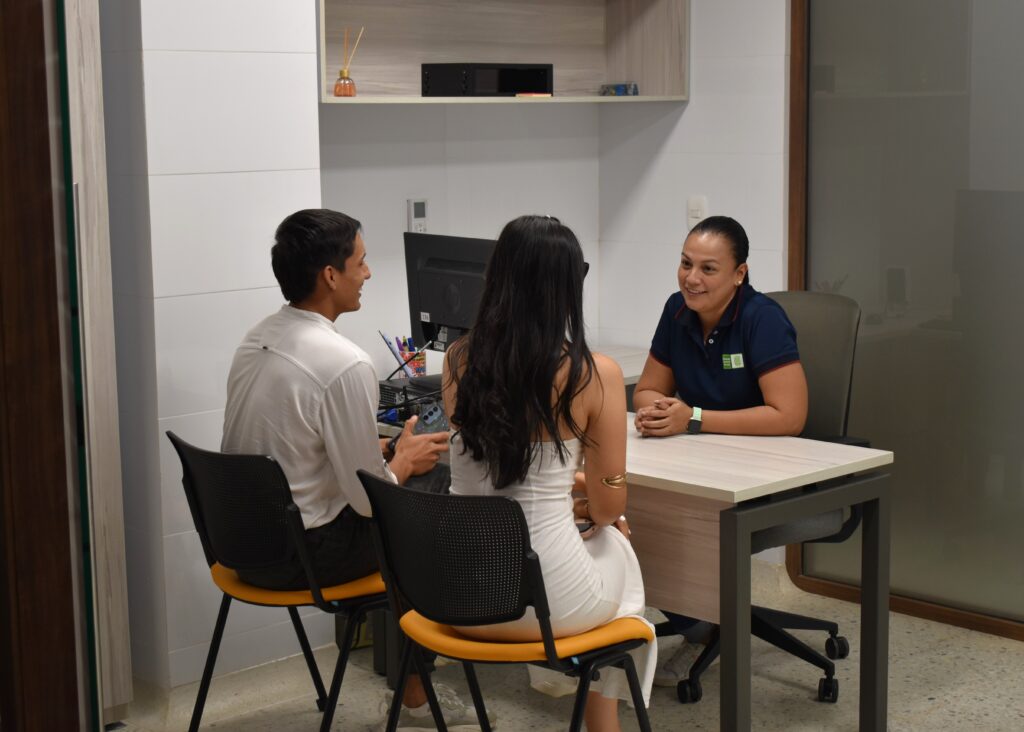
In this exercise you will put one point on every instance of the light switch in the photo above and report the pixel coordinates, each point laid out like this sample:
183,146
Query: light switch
696,210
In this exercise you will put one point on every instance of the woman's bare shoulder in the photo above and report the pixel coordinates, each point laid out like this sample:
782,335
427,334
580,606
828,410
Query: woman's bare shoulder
607,368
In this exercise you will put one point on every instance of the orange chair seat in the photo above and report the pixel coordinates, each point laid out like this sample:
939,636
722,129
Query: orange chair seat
448,641
227,580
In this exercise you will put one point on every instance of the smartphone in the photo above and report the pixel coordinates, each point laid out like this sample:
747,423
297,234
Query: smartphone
584,526
432,419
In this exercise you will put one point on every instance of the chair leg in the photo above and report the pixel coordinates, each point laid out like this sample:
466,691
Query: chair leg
707,656
428,687
339,669
211,659
637,693
321,694
396,700
790,621
580,705
790,644
663,629
478,699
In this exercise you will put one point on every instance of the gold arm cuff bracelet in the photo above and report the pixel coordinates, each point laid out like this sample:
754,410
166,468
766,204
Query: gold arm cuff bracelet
615,481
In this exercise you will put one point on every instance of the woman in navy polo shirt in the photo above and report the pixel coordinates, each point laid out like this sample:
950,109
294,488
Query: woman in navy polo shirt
723,359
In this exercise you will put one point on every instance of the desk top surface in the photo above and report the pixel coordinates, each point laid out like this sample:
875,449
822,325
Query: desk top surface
737,468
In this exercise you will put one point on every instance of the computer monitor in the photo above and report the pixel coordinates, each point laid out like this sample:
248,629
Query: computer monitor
445,275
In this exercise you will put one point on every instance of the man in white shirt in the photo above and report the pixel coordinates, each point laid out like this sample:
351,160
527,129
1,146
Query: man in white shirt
306,395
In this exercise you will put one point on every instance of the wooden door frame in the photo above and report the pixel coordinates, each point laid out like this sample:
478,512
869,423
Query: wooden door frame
799,72
40,684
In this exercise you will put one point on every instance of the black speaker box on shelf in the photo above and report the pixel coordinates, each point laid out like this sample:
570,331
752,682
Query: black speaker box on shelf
486,80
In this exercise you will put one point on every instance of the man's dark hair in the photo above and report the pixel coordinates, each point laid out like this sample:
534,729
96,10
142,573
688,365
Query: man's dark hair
305,243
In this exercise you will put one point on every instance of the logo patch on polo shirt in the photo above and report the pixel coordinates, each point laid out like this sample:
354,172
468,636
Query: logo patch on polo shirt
732,361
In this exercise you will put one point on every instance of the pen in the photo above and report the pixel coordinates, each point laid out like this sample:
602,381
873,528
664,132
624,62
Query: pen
398,342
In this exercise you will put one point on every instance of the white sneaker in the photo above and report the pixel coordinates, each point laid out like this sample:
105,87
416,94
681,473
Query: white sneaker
458,717
677,668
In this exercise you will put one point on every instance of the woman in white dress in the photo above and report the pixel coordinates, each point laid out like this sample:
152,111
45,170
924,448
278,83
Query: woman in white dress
528,402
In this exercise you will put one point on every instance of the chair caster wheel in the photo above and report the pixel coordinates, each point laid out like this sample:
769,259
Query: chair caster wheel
828,690
837,647
689,692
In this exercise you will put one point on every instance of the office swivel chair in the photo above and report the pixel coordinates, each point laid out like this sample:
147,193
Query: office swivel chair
243,512
466,560
826,327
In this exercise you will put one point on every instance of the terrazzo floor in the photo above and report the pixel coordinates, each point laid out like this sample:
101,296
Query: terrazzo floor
940,678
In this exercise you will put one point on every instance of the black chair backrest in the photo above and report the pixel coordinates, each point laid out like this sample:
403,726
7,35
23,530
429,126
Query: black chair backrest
238,505
826,328
458,560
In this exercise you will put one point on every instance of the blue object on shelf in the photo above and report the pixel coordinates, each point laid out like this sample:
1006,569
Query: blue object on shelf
623,89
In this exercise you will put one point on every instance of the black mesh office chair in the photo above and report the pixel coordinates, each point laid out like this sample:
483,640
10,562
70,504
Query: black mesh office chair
466,560
826,327
243,512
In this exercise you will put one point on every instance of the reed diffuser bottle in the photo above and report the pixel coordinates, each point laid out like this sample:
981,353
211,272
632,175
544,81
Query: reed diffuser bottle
344,86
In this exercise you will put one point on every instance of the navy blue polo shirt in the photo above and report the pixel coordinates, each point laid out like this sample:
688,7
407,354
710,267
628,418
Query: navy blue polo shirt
753,337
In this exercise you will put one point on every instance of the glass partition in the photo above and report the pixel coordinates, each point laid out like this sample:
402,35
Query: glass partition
915,186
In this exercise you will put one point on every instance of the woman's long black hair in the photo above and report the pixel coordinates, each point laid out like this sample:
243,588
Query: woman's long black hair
530,323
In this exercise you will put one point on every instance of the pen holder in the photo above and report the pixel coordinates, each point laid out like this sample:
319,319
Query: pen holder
418,362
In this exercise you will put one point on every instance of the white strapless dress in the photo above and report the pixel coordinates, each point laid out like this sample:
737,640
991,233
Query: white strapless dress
588,583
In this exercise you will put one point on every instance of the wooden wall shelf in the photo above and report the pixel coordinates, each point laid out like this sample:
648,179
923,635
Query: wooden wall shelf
589,42
494,100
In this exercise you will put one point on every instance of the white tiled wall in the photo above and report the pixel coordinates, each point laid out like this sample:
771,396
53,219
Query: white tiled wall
224,244
215,112
214,135
262,26
213,139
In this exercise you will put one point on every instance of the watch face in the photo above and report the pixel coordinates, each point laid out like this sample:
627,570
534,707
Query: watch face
693,427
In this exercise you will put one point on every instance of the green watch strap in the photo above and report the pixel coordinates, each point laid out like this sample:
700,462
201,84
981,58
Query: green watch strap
693,427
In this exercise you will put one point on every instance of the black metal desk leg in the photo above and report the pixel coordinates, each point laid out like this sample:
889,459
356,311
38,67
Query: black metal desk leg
734,613
874,615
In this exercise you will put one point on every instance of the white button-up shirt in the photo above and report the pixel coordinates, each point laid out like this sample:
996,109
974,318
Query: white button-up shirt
305,395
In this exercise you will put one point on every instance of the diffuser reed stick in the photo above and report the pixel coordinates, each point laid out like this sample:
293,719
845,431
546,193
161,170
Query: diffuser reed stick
354,47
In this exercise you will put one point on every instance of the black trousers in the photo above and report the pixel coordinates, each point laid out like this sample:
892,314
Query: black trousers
341,550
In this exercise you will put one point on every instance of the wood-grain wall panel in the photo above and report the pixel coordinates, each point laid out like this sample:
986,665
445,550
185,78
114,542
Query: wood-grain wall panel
99,371
589,42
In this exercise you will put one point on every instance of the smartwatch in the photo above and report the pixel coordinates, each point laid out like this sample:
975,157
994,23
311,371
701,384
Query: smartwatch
393,443
694,425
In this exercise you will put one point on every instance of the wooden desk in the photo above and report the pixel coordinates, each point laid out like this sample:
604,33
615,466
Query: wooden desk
695,501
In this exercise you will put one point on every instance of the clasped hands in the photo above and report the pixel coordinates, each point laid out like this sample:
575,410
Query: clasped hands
667,416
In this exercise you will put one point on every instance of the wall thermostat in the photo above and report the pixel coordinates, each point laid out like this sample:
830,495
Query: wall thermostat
416,215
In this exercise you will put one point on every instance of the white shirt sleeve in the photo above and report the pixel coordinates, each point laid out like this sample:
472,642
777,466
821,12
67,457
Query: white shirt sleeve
348,415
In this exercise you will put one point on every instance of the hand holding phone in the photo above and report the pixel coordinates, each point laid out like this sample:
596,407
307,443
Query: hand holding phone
432,419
